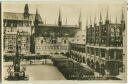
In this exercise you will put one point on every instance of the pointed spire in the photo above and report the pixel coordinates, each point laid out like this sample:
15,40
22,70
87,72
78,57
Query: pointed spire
37,15
100,17
100,20
36,18
122,15
107,15
66,22
95,19
59,18
36,10
59,15
80,17
80,20
87,22
116,20
90,21
26,11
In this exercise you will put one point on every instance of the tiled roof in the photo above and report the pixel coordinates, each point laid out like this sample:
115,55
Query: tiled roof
18,16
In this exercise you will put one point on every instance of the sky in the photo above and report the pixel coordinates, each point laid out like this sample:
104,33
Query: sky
70,10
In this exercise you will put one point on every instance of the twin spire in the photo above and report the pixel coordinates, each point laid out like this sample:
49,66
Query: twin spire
80,19
60,19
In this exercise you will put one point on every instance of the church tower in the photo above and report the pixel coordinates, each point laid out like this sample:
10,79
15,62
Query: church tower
26,11
36,22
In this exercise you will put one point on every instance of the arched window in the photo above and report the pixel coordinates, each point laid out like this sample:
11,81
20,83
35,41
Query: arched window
117,32
112,31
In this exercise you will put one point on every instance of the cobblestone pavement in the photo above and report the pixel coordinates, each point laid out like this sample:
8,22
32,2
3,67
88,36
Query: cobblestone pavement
39,71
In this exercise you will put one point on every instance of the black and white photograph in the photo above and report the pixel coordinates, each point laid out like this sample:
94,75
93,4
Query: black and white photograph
64,40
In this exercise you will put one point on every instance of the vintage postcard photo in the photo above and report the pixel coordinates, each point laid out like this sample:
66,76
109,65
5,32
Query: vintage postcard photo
64,40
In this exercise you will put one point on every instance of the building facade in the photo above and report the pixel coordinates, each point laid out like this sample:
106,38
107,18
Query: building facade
45,46
104,46
77,47
10,40
10,43
23,39
53,38
77,52
18,26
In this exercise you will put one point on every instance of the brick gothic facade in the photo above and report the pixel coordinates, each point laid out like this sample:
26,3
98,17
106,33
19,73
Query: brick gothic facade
53,38
103,50
104,46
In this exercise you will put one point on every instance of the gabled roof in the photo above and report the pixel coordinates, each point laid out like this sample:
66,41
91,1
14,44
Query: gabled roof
18,16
